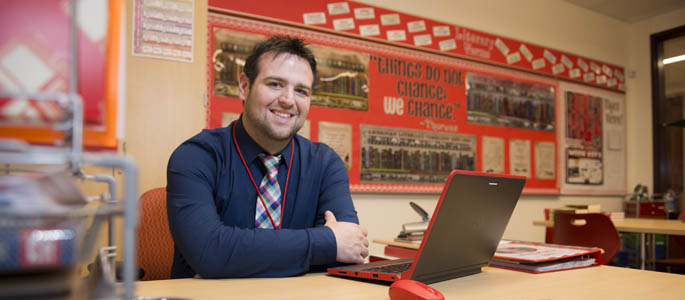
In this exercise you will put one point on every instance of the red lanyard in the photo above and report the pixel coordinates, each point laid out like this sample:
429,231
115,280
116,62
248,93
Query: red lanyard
287,179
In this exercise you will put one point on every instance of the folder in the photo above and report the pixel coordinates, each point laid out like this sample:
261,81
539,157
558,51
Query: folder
541,258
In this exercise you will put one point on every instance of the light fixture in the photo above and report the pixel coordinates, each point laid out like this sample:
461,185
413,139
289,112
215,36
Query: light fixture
671,60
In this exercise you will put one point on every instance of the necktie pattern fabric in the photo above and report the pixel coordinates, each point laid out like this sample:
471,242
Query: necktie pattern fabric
271,192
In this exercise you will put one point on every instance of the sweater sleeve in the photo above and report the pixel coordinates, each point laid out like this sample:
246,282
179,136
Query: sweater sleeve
334,194
214,250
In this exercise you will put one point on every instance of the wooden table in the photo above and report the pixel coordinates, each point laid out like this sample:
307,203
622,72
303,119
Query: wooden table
653,226
642,226
603,282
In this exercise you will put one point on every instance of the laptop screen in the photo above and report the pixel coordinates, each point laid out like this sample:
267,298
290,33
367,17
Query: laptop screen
468,223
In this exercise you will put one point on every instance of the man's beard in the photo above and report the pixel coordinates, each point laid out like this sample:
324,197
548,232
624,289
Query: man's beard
263,126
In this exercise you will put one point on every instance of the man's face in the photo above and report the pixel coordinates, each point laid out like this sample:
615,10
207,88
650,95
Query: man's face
277,103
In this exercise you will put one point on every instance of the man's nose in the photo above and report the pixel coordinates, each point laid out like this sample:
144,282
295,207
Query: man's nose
287,97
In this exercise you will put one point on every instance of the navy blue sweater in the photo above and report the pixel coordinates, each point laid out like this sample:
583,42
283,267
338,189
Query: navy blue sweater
211,207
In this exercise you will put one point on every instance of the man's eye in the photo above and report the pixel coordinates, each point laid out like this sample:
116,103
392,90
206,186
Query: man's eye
274,84
302,92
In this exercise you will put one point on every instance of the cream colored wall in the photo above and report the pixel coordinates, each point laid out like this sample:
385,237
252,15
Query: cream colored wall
164,105
165,98
164,102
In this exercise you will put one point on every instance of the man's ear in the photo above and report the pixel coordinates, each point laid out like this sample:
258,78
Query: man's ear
243,86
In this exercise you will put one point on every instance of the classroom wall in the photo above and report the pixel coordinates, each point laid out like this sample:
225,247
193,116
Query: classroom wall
165,99
164,102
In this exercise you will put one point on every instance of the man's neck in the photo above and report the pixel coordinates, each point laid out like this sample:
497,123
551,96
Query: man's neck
269,145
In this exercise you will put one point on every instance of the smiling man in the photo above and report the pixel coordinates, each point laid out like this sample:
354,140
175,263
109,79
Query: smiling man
254,199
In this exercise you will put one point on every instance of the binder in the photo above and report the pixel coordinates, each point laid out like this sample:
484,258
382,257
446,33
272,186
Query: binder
399,252
541,258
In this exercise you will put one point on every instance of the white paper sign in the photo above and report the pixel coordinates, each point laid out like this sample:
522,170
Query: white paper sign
549,56
314,18
558,68
449,44
594,67
544,160
441,30
493,154
390,19
343,24
601,79
581,63
416,26
566,61
618,74
513,58
606,70
369,30
338,8
397,35
519,157
422,40
526,52
364,13
501,46
538,63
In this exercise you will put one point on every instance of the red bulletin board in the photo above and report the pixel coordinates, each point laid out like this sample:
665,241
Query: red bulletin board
402,119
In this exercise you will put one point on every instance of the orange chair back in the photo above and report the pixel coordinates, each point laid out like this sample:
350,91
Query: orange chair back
597,231
155,244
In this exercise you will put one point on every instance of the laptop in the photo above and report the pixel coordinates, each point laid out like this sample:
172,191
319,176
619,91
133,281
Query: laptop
464,231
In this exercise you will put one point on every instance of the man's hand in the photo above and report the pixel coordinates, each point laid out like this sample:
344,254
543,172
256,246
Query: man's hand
353,246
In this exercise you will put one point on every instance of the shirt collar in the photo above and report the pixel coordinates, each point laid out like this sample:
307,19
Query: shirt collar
250,149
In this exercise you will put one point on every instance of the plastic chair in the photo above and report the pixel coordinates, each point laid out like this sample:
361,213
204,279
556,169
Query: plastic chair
596,230
155,244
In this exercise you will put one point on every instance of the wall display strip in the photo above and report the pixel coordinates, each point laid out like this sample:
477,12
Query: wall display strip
402,119
385,25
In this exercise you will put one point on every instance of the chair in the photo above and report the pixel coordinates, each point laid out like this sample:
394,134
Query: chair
549,231
588,230
155,244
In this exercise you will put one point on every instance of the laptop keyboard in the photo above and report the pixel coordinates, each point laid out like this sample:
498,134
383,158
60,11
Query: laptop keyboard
397,268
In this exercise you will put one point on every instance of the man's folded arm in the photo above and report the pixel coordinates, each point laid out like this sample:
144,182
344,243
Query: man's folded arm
335,191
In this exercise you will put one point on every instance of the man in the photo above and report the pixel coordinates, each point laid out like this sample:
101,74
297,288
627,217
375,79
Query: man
255,198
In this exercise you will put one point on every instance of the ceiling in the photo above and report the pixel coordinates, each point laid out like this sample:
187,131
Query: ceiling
630,11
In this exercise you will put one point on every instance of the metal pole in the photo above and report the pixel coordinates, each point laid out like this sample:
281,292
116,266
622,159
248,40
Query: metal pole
73,138
128,166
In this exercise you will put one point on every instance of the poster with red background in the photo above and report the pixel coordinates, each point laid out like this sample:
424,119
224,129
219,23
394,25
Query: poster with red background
35,56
